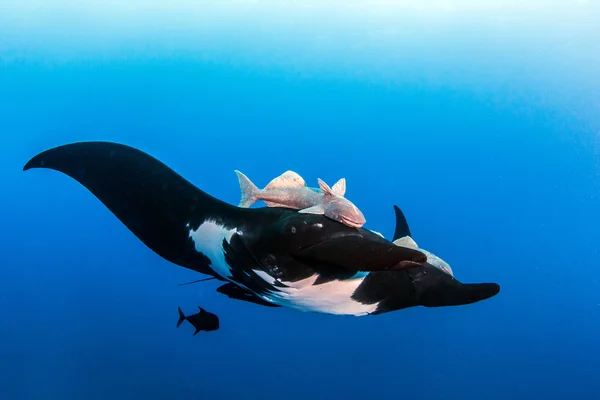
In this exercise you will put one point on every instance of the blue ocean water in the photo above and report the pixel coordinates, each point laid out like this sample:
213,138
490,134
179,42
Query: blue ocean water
481,121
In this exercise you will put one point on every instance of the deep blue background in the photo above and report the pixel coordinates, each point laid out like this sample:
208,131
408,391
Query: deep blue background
480,122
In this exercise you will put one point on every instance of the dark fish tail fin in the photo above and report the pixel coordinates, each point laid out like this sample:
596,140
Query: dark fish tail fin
181,317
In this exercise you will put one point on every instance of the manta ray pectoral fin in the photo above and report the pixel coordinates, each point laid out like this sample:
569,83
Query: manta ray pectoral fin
318,209
435,288
154,202
402,228
474,292
359,254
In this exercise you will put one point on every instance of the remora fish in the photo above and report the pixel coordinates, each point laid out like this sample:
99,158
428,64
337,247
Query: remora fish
290,191
202,321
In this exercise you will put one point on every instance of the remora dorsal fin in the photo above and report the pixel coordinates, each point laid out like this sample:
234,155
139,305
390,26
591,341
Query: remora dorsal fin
325,188
288,179
340,187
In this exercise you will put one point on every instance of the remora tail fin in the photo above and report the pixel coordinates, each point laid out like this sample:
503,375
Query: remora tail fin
249,190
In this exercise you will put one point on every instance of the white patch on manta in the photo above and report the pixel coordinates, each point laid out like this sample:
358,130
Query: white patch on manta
264,276
208,239
333,297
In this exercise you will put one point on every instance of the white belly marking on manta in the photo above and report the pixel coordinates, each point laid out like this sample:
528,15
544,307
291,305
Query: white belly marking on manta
208,239
332,297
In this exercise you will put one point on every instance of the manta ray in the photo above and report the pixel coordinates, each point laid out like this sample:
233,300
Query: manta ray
272,256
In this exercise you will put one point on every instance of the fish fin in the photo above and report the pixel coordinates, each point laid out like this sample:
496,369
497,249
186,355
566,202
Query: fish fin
406,241
250,191
402,228
318,209
448,291
340,187
197,330
327,191
202,310
288,179
181,317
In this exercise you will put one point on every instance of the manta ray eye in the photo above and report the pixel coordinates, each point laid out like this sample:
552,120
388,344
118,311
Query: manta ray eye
293,229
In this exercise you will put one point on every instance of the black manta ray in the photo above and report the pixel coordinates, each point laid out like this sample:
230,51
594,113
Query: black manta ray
270,256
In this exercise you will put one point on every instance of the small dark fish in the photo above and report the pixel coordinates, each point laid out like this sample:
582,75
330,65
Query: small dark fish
202,321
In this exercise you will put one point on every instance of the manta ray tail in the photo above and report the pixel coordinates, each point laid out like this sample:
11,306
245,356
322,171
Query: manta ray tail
249,190
196,281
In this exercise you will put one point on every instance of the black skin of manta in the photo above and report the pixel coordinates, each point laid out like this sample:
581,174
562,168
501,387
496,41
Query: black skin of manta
160,208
